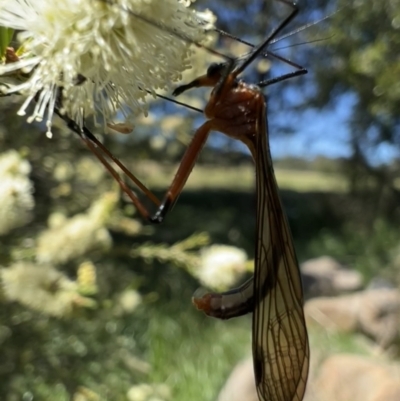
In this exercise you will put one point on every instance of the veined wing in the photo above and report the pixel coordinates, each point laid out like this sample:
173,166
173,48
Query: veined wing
280,341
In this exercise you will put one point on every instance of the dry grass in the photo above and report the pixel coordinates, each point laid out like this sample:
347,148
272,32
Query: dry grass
239,178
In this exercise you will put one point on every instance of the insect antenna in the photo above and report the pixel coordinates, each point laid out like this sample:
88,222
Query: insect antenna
260,48
230,60
188,106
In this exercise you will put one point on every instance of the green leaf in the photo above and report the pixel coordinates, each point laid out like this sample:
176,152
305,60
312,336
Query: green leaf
6,35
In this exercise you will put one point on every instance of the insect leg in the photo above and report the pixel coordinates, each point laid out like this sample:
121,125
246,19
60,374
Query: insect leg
181,176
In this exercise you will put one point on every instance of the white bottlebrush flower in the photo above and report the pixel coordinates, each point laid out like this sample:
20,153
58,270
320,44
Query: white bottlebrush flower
16,202
149,392
99,51
11,163
77,237
221,266
68,239
40,288
127,302
140,392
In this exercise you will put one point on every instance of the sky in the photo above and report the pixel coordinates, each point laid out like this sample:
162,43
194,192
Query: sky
326,133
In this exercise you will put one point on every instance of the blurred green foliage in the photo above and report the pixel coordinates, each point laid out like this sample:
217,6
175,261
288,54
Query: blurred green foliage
373,252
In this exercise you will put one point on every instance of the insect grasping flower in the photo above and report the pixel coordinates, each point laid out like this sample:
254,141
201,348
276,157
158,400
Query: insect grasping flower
104,54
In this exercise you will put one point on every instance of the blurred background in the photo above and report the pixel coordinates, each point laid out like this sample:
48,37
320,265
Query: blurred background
95,304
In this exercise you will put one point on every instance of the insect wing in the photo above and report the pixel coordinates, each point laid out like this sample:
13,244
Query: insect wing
280,341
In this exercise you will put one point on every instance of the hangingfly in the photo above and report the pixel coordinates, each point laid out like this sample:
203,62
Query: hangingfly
274,295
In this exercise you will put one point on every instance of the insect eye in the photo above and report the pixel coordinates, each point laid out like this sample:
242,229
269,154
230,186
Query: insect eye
214,69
